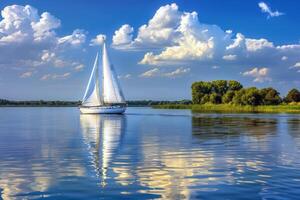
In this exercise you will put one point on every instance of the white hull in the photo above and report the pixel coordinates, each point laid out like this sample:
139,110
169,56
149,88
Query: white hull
103,110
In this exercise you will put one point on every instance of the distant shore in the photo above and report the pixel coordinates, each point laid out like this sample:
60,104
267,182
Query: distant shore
45,103
227,108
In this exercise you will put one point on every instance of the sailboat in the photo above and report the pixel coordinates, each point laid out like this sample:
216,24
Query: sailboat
111,99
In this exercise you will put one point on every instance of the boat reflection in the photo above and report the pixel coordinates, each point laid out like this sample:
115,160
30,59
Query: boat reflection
102,134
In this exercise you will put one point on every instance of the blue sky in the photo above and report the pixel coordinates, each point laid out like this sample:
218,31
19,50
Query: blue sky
158,47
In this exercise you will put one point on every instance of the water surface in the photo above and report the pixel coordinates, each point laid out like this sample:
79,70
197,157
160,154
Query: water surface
56,153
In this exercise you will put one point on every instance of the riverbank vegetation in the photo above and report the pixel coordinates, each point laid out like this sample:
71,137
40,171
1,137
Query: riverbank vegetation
43,103
231,96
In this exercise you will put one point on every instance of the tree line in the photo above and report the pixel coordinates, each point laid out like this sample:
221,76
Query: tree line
5,102
233,92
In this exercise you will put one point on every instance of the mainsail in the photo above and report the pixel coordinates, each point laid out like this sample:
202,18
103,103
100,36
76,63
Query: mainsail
92,94
111,88
111,93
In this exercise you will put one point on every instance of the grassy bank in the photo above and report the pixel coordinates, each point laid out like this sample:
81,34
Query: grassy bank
234,108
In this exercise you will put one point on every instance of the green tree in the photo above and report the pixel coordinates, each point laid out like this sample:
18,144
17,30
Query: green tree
228,96
215,98
270,96
234,85
199,89
220,86
205,99
293,96
252,97
196,97
237,99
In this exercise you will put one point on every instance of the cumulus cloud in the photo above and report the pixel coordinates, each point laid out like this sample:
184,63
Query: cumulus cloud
260,74
55,76
173,37
30,40
266,9
98,40
177,37
156,72
158,32
123,36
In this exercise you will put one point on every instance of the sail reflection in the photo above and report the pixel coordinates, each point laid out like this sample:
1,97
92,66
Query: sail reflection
102,134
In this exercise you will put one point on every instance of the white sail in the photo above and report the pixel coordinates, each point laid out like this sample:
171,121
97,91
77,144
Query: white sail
111,88
92,94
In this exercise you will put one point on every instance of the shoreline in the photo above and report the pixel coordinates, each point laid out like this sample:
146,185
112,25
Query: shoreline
227,108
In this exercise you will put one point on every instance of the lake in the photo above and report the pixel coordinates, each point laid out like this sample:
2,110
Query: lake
56,153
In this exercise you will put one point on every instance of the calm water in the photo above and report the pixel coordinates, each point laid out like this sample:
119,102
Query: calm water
56,153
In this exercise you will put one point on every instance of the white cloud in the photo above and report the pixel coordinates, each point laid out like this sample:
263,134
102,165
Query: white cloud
126,76
30,40
238,42
44,27
45,77
296,65
266,9
260,74
195,41
79,67
151,73
258,44
98,41
178,72
215,67
76,39
26,74
160,29
180,38
248,44
55,76
123,36
230,57
156,72
284,58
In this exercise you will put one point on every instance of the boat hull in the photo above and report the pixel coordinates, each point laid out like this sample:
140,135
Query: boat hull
103,110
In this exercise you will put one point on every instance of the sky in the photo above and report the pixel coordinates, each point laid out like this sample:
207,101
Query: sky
158,48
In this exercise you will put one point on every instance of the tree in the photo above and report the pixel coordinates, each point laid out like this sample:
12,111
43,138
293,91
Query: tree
270,96
234,85
293,96
199,89
237,99
252,97
215,98
205,99
220,86
228,96
196,97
